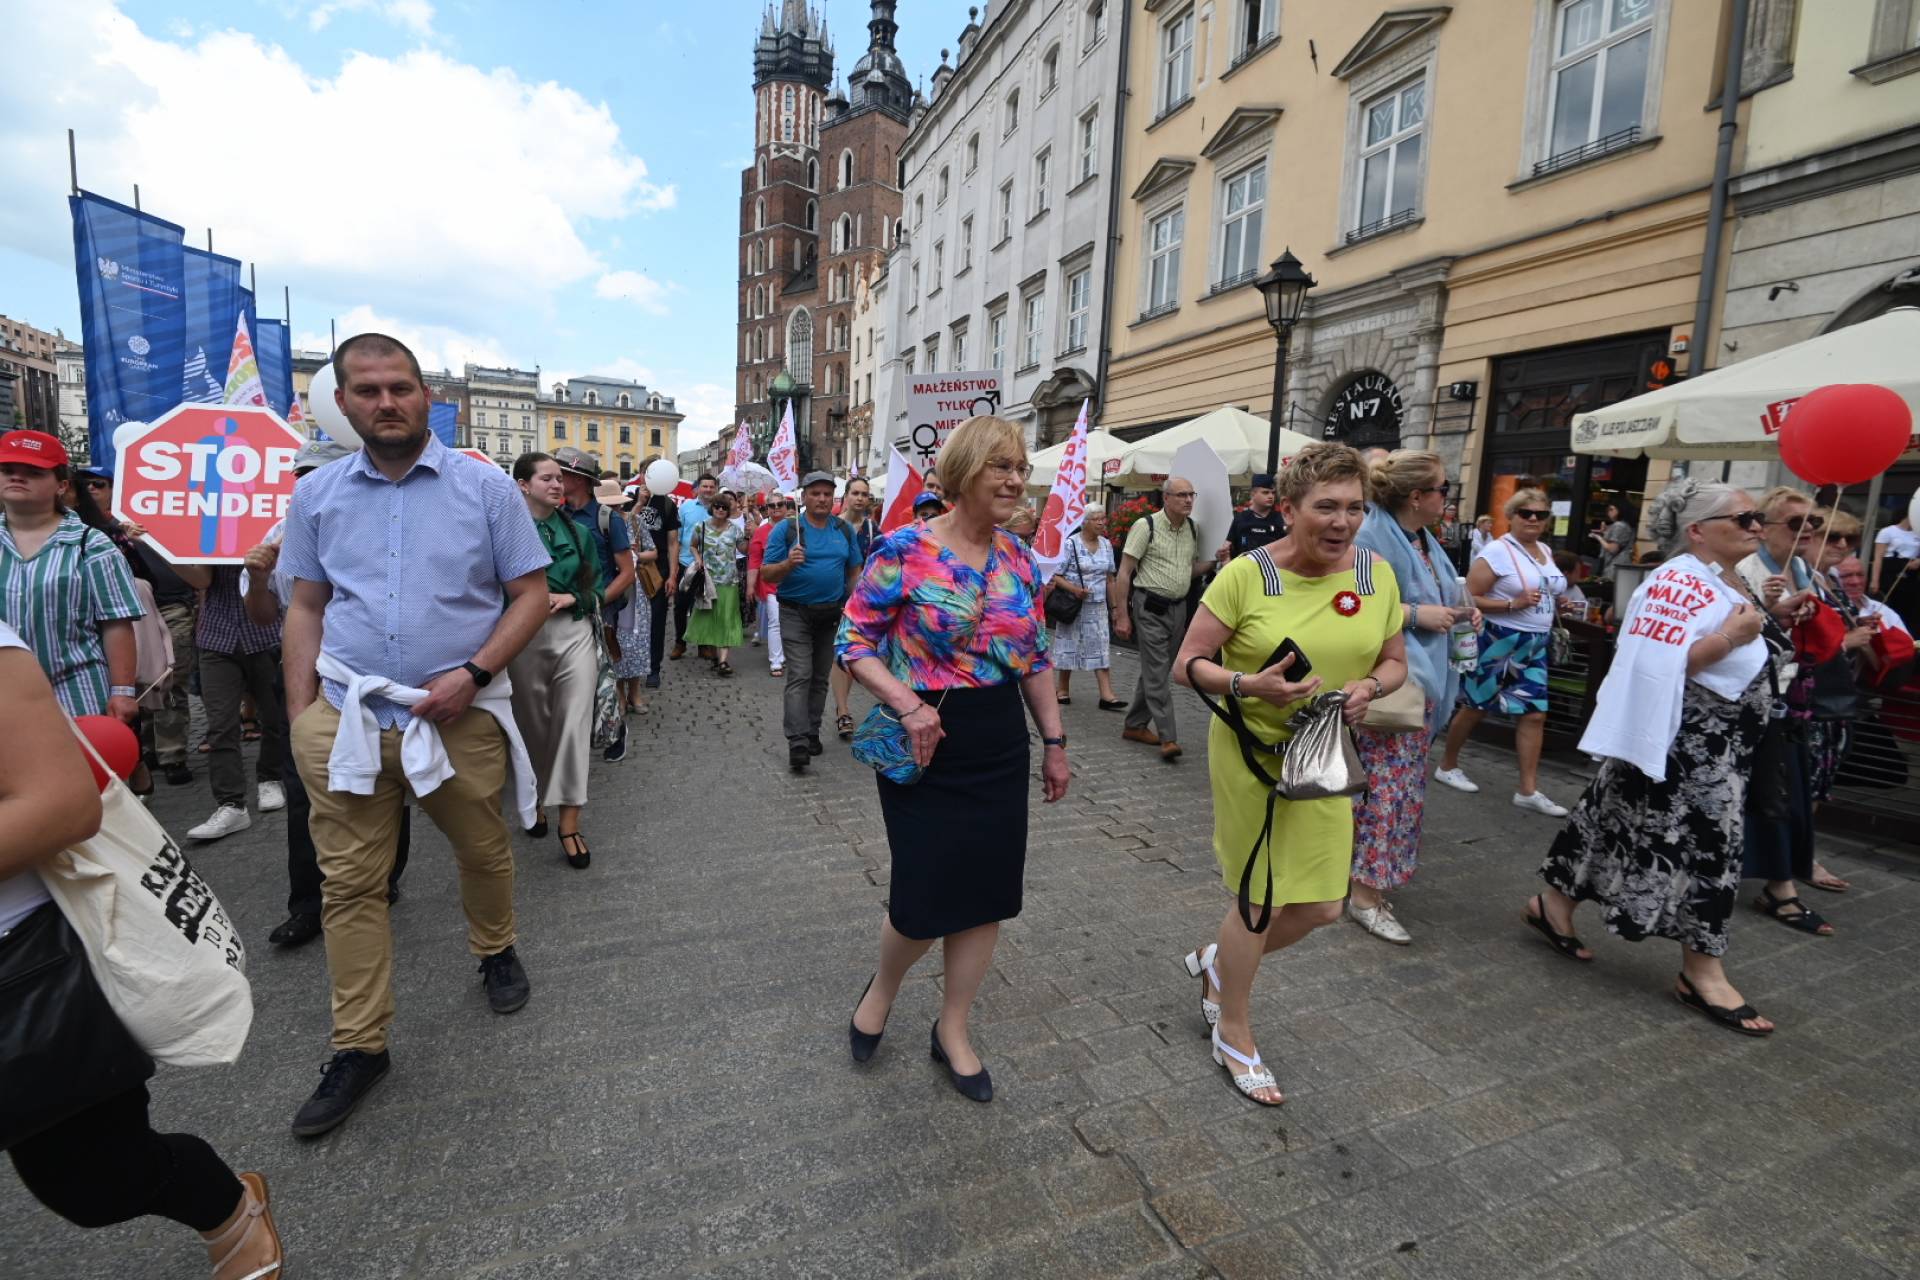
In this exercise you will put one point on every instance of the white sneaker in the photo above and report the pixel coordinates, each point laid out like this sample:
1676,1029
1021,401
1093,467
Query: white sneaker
272,796
1539,803
1457,779
1379,922
226,820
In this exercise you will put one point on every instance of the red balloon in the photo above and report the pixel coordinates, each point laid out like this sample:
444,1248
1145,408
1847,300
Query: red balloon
1845,434
116,744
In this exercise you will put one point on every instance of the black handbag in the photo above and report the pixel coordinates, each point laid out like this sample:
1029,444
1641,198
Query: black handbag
62,1047
1063,607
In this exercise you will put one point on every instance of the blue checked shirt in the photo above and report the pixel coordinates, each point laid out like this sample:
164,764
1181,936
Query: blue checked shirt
224,626
58,600
417,566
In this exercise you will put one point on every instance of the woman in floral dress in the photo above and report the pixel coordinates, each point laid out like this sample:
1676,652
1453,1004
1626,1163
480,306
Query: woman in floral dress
635,628
716,612
1087,572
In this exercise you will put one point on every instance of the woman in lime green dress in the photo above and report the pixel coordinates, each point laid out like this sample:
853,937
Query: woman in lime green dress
1341,605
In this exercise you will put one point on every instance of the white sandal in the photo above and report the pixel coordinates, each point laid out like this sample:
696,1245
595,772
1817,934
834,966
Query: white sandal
1201,962
254,1215
1256,1077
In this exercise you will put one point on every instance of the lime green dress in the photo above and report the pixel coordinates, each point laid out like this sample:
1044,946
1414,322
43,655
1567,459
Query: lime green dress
1340,622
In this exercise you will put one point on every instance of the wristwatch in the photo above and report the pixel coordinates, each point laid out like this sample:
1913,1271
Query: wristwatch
481,676
1379,690
1060,742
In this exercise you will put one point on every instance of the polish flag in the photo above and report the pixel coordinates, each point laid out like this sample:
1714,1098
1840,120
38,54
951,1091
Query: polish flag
903,486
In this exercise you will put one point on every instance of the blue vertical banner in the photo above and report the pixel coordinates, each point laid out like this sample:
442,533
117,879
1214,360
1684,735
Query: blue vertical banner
131,272
213,295
274,350
443,417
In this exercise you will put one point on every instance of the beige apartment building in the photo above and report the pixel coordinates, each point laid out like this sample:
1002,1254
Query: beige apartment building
1503,201
617,420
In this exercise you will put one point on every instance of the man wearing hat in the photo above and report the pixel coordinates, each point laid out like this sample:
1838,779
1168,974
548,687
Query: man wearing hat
595,506
811,560
927,505
267,591
1259,523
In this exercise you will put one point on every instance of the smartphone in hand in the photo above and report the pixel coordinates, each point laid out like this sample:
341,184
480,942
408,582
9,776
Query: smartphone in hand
1301,668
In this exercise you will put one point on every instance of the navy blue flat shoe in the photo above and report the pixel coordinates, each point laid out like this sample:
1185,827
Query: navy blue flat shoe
978,1086
862,1044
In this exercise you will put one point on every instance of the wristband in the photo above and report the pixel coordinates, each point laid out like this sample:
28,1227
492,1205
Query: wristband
1233,685
121,691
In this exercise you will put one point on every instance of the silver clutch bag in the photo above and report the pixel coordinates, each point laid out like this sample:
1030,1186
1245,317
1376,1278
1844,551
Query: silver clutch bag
1321,760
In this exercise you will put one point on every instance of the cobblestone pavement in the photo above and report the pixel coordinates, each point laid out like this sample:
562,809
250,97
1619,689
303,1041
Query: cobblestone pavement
677,1098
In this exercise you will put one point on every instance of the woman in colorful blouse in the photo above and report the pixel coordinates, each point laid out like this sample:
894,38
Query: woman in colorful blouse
719,544
65,587
945,628
556,675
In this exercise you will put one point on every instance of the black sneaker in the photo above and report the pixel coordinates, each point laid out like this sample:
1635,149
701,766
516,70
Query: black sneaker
813,746
349,1077
296,930
506,981
653,682
178,775
617,750
798,757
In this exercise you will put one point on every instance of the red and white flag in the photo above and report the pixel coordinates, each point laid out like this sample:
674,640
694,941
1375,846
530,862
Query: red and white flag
1066,505
243,371
783,458
742,450
904,484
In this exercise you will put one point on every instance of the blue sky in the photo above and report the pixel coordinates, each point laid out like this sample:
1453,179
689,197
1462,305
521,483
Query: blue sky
551,184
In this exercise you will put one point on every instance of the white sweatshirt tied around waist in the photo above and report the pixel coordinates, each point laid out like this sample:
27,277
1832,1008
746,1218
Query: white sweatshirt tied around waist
354,764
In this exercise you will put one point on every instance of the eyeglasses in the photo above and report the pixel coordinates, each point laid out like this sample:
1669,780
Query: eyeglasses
1532,513
1799,523
1748,520
1178,493
99,484
1443,488
1003,467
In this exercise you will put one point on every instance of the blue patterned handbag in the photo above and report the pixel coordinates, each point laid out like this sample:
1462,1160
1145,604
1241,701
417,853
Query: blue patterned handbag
883,744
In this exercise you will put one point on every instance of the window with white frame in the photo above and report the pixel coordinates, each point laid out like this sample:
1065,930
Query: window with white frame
1005,227
1096,25
906,359
958,347
1089,148
1049,71
966,245
480,419
1033,311
997,339
846,169
1243,204
480,443
913,286
942,197
1597,87
1255,22
1392,143
1079,303
1042,180
1176,60
1013,114
973,153
919,210
1165,234
933,355
939,265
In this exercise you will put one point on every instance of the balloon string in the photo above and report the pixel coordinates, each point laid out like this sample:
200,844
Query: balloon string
1835,508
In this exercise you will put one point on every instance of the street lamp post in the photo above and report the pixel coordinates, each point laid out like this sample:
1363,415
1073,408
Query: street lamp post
1284,290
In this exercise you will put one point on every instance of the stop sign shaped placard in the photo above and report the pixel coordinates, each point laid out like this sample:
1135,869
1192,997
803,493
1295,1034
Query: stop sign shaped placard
207,481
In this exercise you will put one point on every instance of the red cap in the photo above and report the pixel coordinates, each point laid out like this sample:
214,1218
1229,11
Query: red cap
32,449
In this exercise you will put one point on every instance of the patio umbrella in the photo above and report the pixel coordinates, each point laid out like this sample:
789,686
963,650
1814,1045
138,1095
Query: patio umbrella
1101,445
1236,435
748,477
1735,412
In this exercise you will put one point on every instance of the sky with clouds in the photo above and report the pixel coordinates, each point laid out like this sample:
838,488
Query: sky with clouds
506,183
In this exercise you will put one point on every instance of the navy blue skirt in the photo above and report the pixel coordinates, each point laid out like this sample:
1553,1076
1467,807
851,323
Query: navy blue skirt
959,835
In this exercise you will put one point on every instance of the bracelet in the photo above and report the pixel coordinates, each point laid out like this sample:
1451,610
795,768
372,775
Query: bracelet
1233,685
1379,690
121,691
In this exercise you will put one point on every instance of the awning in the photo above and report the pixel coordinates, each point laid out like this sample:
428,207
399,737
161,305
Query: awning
1735,412
1236,435
1101,445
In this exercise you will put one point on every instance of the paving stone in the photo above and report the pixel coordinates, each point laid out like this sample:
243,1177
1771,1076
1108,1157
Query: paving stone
1275,1252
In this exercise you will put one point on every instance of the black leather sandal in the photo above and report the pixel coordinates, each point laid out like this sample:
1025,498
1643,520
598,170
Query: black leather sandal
574,845
1565,943
1793,913
1731,1019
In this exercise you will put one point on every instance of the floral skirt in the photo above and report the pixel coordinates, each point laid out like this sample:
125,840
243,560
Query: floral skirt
1663,858
633,627
1082,646
1512,676
1386,819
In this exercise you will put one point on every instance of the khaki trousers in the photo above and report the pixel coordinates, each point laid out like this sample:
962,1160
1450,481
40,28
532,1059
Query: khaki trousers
354,837
554,681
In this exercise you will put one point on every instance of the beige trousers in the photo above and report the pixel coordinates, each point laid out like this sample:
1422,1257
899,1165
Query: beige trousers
354,838
553,686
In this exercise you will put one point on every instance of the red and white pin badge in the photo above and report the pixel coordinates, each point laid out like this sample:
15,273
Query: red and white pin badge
1346,604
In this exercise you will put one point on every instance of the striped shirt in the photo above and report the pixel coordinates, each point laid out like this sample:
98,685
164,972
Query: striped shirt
418,565
58,602
224,625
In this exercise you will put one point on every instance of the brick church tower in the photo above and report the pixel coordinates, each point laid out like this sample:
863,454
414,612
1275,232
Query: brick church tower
817,209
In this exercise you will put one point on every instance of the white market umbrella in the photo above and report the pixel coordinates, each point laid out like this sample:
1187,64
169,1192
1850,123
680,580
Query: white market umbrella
1101,446
1735,412
1236,435
748,477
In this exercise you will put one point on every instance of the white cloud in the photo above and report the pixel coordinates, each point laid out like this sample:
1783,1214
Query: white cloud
709,410
415,15
435,346
642,291
372,189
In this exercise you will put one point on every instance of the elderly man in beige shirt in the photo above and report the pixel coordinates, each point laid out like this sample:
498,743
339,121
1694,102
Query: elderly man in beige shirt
1158,564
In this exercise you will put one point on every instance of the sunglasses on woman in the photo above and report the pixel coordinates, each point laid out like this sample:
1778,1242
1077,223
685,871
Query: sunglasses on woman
1443,488
1748,520
1532,513
1798,523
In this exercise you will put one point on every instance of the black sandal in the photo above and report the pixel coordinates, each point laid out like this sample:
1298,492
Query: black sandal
579,857
723,668
1803,919
1565,943
1731,1019
1112,704
539,829
843,725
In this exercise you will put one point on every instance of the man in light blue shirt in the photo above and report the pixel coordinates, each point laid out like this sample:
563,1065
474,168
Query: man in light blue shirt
693,514
422,565
814,559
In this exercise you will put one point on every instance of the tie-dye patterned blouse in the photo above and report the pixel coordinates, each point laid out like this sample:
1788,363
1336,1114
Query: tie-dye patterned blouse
939,623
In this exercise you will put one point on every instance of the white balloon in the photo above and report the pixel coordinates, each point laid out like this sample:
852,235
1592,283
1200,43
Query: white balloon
325,413
662,476
1913,512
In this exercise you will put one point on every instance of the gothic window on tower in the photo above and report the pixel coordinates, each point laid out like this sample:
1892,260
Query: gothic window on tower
813,175
813,214
846,169
800,347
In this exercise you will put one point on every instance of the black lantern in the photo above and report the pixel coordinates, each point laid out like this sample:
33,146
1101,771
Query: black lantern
1284,291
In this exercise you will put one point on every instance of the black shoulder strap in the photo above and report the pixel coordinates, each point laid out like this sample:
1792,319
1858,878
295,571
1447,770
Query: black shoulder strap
1251,751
